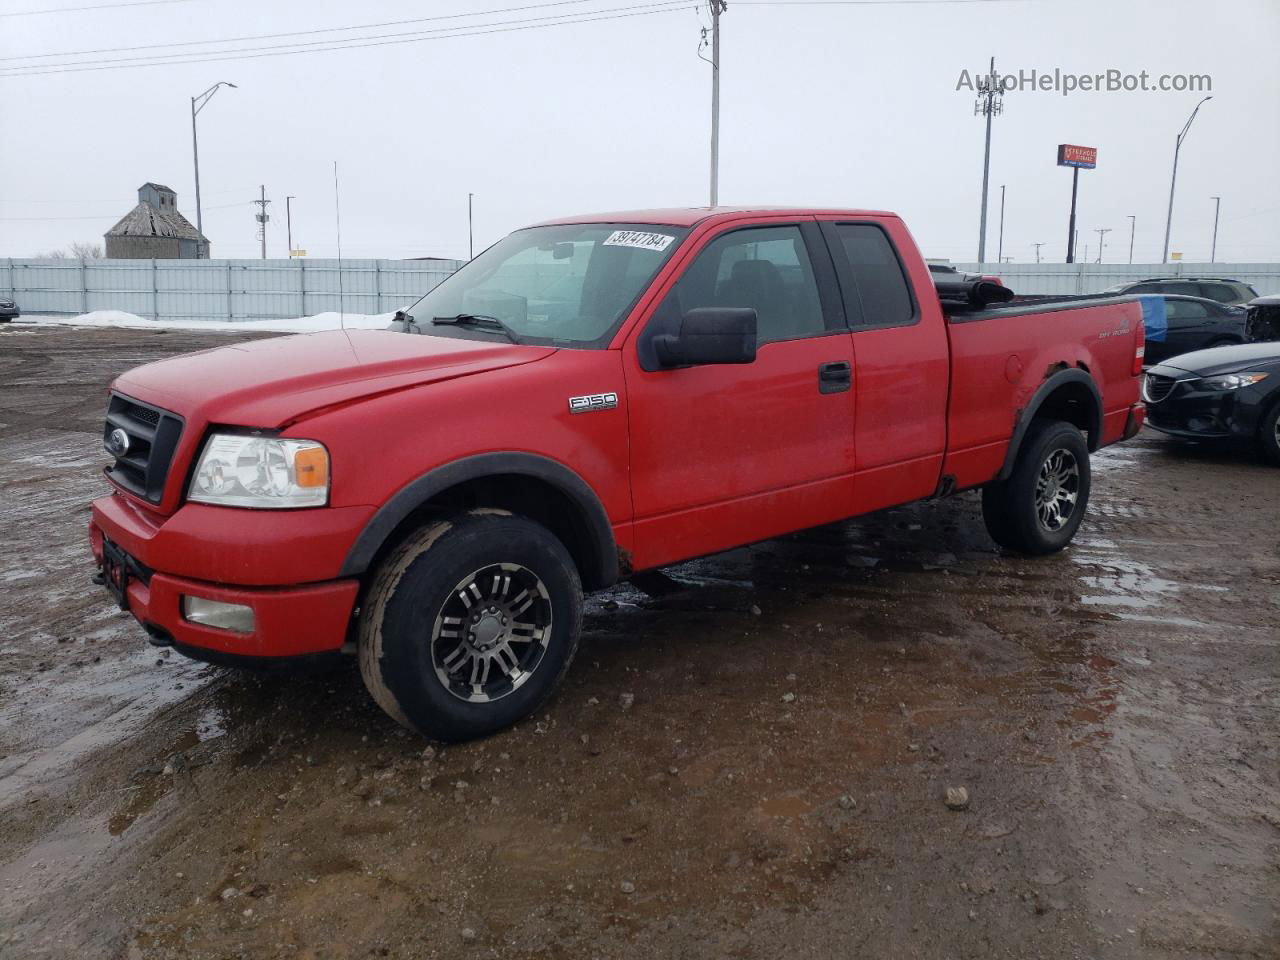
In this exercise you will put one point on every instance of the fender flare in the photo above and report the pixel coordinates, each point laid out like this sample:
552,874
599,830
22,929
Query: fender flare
604,562
1028,414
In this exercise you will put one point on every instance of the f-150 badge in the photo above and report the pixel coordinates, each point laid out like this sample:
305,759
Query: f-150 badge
593,402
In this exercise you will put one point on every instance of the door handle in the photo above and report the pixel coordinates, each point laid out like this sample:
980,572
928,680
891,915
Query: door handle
835,377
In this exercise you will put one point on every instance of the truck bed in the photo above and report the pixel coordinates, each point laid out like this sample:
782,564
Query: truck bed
1001,356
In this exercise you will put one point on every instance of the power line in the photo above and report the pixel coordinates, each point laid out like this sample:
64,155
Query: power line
295,33
100,6
255,53
107,216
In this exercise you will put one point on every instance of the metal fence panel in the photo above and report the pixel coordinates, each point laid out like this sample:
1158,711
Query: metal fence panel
219,290
235,290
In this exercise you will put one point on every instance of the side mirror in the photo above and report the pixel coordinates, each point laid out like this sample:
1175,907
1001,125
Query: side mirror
710,335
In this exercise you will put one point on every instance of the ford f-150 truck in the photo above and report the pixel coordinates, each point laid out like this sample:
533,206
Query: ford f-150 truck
588,398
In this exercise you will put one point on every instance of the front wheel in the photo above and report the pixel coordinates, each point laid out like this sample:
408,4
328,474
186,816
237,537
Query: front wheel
1039,508
470,624
1269,435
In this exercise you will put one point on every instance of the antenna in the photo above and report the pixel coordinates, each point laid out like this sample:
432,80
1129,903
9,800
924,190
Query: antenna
337,210
990,103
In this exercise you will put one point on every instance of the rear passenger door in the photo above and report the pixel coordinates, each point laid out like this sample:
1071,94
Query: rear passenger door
901,363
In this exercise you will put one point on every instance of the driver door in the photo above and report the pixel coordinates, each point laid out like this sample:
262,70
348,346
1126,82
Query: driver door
730,454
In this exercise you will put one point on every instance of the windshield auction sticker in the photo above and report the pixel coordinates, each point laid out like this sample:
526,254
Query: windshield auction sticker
634,238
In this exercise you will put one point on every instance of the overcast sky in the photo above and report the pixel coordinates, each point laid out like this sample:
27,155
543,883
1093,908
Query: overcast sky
822,103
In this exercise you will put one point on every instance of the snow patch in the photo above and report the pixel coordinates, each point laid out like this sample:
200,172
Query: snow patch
314,324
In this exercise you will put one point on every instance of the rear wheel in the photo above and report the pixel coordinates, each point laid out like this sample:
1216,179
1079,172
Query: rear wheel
470,625
1039,508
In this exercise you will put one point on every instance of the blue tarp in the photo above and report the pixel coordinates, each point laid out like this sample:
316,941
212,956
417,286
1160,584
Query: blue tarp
1155,319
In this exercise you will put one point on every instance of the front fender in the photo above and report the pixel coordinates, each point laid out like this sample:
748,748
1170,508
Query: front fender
419,491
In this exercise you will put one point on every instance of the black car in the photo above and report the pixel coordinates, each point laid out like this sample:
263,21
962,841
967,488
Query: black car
8,310
1219,394
1219,289
1194,323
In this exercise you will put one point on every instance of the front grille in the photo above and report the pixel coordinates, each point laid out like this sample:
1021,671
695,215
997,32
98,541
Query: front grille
152,437
147,415
1155,387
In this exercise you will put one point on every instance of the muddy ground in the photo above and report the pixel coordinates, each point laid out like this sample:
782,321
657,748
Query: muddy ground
798,709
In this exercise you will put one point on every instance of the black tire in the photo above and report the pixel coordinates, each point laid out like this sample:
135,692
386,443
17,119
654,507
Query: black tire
1012,509
407,624
1269,434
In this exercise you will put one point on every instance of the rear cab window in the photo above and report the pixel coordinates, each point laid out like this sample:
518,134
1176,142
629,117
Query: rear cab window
873,280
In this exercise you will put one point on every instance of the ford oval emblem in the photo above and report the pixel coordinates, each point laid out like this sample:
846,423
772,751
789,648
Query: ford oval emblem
117,443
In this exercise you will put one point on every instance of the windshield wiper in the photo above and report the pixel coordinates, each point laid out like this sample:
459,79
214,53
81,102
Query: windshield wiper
481,321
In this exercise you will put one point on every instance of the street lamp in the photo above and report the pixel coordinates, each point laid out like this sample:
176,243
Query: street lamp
197,104
1133,228
1168,224
1217,206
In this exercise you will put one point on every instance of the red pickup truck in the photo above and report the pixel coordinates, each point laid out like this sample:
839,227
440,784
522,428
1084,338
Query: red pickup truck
588,398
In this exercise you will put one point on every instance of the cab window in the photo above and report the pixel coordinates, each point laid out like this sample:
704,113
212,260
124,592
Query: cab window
764,268
883,297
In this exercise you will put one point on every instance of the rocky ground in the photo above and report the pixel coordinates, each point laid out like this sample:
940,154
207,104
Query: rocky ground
750,760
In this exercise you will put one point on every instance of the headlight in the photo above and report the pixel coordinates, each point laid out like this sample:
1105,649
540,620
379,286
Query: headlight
1231,381
237,470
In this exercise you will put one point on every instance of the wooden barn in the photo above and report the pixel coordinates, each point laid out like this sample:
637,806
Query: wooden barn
155,230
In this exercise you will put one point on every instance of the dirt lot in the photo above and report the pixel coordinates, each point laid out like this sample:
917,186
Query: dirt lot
774,787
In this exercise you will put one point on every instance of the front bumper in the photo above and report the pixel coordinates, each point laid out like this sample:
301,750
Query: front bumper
1204,415
288,621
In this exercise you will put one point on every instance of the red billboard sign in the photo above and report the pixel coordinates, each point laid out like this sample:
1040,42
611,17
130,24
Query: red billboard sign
1070,155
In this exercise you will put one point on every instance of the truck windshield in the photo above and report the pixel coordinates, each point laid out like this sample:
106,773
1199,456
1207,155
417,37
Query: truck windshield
569,284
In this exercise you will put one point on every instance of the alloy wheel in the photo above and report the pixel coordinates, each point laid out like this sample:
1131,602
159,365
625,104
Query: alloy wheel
1057,489
491,633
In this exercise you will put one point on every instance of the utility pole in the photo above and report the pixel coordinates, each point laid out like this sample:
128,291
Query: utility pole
197,104
1086,254
989,103
1000,246
1217,206
471,235
1037,246
262,217
717,7
288,219
1102,240
1133,226
1168,224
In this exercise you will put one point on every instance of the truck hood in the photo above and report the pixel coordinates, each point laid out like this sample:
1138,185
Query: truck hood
275,382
